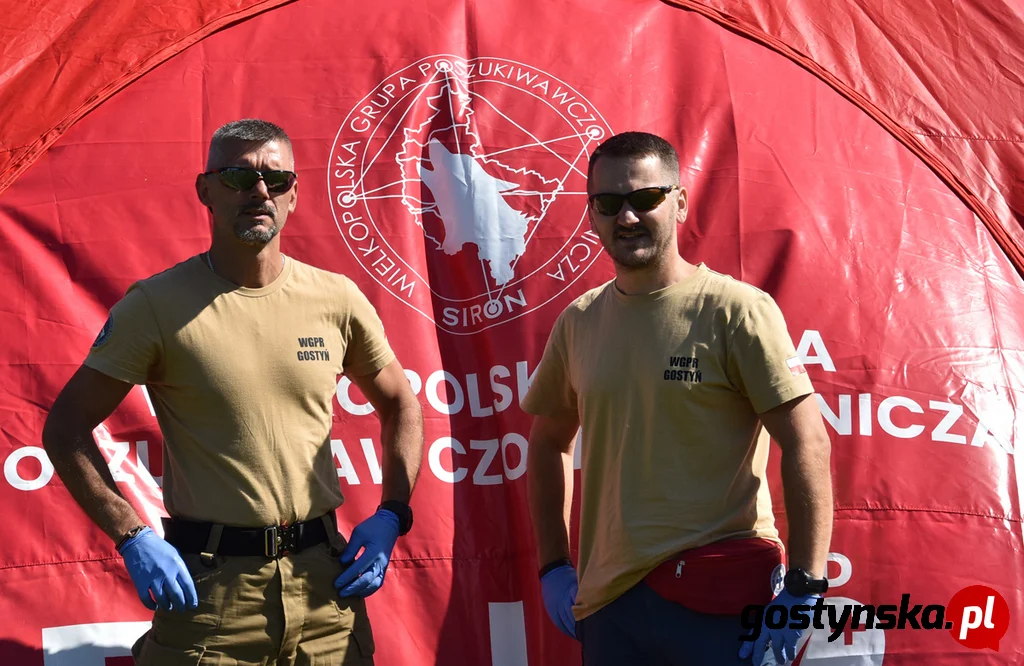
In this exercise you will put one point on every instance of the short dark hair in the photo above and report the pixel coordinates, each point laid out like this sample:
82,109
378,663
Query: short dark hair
249,130
637,144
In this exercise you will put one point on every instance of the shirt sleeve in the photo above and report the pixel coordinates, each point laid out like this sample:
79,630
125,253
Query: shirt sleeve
762,362
129,347
366,346
551,393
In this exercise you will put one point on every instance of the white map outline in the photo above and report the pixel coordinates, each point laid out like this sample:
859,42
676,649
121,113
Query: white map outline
594,132
462,120
383,238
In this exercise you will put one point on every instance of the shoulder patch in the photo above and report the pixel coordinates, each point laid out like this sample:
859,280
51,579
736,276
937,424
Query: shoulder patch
105,332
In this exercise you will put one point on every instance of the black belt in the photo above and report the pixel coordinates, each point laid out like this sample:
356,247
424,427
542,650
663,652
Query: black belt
273,542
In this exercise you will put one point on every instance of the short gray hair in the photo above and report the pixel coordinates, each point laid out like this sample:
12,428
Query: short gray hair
248,130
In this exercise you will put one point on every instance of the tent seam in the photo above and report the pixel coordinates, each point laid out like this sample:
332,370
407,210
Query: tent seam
50,136
904,135
940,135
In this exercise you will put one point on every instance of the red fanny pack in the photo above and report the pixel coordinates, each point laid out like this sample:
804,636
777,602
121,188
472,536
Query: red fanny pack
720,578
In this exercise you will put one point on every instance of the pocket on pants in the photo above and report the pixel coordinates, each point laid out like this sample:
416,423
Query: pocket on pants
183,630
362,635
336,630
346,641
210,583
352,614
154,654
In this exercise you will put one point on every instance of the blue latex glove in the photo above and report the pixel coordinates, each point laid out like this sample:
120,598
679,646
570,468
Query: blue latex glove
784,640
156,568
559,587
364,575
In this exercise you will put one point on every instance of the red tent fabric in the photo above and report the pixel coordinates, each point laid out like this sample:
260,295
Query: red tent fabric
943,77
61,59
821,169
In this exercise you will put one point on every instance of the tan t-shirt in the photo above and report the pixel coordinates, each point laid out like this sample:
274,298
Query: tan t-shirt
667,387
242,382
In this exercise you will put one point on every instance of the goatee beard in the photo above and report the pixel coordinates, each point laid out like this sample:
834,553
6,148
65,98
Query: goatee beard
254,236
634,261
652,253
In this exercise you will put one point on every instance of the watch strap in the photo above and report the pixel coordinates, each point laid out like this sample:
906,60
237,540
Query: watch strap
800,583
403,511
551,566
127,536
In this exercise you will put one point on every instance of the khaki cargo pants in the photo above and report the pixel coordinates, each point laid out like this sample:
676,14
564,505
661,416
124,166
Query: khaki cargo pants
255,611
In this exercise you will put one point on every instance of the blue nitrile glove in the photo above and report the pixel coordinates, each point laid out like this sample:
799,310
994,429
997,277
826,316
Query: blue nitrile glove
156,567
783,640
364,576
558,588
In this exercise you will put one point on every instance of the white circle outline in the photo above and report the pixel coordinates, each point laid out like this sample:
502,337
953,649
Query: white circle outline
439,59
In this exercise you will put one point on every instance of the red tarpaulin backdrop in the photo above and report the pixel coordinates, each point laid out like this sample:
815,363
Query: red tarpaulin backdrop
892,256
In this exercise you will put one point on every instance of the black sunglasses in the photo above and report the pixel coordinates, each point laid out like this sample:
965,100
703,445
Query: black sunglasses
642,200
244,178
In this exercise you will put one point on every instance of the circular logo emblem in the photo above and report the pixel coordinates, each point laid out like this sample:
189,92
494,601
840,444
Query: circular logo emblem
105,332
778,579
460,186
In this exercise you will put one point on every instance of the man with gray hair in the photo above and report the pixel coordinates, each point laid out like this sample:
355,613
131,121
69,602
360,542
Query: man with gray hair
240,348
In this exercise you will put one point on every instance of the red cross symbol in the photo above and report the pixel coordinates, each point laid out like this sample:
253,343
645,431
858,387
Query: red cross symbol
848,632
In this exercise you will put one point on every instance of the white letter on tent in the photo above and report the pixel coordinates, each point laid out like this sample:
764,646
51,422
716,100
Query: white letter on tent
983,436
345,469
371,460
885,417
812,339
843,423
20,483
434,459
345,400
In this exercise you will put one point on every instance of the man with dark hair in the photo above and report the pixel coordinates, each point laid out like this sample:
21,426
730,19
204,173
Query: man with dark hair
671,369
634,144
240,348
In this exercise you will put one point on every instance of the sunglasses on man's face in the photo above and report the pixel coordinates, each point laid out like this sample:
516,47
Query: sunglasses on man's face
642,200
244,179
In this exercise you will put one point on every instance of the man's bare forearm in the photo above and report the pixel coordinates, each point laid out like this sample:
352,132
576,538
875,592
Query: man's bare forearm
807,486
402,451
84,472
550,482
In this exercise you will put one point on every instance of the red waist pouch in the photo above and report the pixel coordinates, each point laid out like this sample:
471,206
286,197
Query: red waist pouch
720,578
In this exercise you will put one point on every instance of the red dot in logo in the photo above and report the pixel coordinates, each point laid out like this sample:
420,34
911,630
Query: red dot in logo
978,617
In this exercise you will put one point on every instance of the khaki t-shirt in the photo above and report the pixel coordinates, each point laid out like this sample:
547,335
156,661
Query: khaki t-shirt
667,387
242,382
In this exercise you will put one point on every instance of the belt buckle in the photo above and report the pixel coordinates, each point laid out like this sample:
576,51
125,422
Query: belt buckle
288,538
279,540
271,542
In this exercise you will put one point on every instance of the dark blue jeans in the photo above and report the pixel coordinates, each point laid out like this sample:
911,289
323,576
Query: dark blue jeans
641,628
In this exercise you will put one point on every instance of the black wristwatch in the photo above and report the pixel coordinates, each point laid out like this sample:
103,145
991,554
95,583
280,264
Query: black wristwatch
799,583
404,513
551,566
133,532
